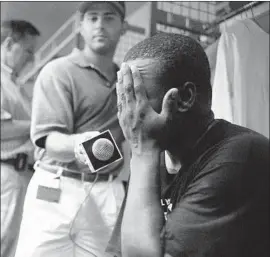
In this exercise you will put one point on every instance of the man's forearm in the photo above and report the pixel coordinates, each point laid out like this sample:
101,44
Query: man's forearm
60,146
143,215
10,129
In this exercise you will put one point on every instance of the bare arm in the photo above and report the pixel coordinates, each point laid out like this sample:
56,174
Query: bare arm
52,113
65,147
11,128
60,146
143,216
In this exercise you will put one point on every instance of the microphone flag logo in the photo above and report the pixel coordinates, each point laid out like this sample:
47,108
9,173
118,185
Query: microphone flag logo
101,151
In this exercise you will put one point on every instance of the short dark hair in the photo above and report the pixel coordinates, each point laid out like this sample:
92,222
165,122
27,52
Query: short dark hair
17,29
181,59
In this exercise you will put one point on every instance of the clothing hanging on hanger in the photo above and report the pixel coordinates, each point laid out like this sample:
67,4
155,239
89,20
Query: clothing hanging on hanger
211,52
262,21
241,84
254,19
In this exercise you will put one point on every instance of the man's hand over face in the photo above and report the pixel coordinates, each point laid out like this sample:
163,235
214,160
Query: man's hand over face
141,125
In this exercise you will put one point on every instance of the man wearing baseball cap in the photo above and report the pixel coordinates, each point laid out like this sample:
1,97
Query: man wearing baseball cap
75,99
91,5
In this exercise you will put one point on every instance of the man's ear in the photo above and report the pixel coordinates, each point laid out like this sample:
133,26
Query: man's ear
186,96
124,28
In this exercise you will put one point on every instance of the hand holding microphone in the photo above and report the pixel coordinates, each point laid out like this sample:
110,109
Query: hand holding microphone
78,148
97,150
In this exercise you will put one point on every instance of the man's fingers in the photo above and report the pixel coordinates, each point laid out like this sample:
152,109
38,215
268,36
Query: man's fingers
78,148
119,106
79,154
169,102
119,101
128,83
119,88
91,134
80,138
139,89
82,159
120,91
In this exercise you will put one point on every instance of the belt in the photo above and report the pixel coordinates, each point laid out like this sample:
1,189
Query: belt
20,162
87,177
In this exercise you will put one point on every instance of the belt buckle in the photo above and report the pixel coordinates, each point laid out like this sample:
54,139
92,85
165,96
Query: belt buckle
21,161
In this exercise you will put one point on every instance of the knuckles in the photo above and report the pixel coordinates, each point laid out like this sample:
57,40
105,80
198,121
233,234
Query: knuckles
130,116
128,87
142,115
137,89
122,97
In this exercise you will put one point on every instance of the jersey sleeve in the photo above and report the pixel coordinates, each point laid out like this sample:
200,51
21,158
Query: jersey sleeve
11,127
5,115
52,103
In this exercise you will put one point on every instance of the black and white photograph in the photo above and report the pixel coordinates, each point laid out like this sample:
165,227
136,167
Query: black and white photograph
135,129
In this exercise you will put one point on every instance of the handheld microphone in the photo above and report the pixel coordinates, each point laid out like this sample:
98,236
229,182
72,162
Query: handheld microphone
101,151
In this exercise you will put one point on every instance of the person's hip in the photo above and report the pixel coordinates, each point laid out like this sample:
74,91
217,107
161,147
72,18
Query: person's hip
73,191
84,215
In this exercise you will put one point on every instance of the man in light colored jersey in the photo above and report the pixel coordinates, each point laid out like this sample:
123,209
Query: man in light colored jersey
75,99
18,43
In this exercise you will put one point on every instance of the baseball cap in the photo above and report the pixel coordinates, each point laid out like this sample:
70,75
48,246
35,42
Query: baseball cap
119,6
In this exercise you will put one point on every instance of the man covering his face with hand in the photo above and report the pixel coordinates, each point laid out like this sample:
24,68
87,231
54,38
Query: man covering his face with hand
217,203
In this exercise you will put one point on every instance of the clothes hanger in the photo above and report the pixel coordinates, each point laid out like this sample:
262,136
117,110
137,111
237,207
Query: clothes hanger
254,19
253,16
224,20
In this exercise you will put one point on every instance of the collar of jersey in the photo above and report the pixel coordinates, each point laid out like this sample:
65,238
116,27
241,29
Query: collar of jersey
78,58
